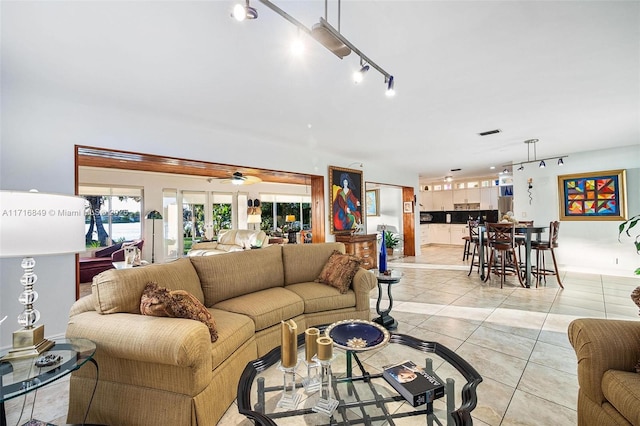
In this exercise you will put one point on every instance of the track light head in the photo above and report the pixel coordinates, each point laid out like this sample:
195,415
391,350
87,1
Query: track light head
560,162
505,171
390,89
521,168
358,76
542,164
242,12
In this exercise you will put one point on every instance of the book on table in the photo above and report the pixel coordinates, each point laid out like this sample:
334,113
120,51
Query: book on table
414,383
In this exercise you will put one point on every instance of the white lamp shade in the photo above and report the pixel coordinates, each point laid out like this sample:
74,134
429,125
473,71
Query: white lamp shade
254,218
38,223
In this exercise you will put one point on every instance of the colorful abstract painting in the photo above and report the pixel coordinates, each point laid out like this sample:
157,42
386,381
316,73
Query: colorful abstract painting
588,196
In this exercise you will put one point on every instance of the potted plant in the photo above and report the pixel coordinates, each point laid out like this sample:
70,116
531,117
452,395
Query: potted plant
626,227
390,242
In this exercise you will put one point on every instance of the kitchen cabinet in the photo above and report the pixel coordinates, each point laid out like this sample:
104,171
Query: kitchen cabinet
439,233
424,234
456,233
362,246
489,198
442,200
426,201
466,196
443,233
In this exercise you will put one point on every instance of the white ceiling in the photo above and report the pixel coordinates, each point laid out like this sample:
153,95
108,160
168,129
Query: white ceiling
564,72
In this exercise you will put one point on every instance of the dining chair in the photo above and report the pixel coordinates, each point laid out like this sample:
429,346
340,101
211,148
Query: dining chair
474,239
541,247
503,260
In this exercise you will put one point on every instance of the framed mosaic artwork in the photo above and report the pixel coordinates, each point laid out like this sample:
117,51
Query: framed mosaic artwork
593,196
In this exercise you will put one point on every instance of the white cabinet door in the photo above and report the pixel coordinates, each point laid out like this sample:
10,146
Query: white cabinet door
473,195
443,200
440,233
426,201
489,198
424,234
457,232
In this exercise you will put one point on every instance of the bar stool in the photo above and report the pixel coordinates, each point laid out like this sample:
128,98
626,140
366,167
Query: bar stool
466,251
474,238
501,241
541,248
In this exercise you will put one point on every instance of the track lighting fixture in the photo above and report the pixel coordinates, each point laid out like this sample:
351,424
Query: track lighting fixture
242,12
390,89
358,76
505,171
324,34
541,162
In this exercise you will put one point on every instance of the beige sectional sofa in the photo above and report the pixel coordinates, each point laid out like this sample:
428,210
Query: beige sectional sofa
230,240
166,371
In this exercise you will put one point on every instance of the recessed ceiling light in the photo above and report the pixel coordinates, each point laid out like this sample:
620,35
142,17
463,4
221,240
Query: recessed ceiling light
492,167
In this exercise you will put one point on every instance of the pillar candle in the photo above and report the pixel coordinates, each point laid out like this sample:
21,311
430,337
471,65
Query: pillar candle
289,347
325,348
310,343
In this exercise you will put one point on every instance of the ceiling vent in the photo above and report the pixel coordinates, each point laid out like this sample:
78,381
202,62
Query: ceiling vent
490,132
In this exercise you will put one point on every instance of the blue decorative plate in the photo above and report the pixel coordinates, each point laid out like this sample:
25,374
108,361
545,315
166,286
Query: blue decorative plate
357,335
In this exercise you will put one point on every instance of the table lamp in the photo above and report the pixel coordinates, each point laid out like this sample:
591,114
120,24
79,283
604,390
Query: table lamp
153,215
37,224
292,234
254,218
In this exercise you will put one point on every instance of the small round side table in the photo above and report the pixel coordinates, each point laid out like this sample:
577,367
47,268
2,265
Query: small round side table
386,320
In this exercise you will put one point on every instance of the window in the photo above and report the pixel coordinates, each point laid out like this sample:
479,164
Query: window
170,216
112,214
222,211
276,208
192,217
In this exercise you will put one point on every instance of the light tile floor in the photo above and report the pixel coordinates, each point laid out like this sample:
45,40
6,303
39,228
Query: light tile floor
515,337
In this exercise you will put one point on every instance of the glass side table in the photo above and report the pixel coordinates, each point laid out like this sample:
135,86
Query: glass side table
21,376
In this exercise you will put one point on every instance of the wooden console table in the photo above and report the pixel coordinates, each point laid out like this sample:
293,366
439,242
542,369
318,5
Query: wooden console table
362,246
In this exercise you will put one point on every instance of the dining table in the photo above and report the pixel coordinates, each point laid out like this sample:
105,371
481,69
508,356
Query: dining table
528,232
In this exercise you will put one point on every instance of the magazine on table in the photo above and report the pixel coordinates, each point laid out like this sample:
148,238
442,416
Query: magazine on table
412,382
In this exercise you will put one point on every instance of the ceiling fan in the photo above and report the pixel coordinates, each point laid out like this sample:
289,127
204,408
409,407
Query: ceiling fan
239,179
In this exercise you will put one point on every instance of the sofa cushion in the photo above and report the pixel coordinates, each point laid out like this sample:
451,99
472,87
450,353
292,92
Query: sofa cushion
339,270
265,307
622,390
320,297
234,330
120,290
304,262
238,273
162,302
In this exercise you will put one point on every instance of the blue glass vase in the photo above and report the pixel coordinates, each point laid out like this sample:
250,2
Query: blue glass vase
382,264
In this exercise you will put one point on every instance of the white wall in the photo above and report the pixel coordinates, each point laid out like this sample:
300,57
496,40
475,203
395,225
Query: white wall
390,209
589,246
38,136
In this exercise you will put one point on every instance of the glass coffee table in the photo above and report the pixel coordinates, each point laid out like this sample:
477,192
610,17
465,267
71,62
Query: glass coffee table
363,395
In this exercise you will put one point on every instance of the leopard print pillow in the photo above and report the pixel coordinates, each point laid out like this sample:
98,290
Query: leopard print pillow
162,302
339,271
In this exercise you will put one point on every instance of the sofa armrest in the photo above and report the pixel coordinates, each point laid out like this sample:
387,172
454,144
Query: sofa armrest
601,345
363,282
84,304
172,341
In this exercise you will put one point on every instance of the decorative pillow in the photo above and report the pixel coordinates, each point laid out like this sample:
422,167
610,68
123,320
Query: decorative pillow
635,296
339,270
161,302
154,301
